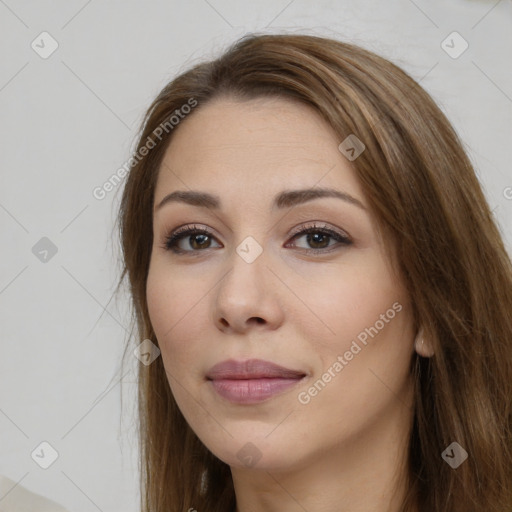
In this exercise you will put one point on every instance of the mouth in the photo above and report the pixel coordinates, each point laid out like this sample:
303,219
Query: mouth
251,381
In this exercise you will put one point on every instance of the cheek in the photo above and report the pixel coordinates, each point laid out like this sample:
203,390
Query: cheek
368,322
365,371
169,298
161,300
175,311
343,303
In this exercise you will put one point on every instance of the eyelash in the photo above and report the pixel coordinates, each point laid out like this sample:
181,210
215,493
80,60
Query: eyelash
172,240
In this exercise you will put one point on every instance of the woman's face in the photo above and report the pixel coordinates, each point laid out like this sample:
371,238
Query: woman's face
277,270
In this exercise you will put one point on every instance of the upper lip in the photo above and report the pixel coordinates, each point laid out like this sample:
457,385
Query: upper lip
251,369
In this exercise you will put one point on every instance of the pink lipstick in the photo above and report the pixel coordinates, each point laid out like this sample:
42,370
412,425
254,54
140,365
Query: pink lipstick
251,381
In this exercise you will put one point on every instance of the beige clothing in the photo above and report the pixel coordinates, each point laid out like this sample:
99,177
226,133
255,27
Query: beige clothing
15,498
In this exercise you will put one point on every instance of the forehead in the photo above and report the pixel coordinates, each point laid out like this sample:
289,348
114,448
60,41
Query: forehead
265,144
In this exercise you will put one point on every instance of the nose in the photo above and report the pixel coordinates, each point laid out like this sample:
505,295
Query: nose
248,297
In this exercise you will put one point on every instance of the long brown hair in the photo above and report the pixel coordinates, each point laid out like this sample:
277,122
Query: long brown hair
424,193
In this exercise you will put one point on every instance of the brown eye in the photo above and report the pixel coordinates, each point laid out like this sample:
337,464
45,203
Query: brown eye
319,239
197,238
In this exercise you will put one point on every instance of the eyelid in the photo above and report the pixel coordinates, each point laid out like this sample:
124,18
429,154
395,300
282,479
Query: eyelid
321,226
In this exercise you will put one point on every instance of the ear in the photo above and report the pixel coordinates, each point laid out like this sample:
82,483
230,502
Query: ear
423,346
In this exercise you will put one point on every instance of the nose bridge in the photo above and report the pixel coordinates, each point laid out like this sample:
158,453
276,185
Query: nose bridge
248,265
245,292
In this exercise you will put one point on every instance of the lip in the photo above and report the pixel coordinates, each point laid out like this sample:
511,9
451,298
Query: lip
251,381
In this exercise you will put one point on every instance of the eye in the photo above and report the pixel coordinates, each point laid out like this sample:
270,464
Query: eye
319,238
199,239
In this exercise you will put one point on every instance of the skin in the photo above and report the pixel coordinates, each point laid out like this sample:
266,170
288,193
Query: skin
345,449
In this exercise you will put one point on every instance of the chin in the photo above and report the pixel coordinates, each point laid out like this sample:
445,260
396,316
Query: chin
257,453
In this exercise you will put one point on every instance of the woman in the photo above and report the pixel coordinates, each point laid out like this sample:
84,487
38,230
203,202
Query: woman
310,250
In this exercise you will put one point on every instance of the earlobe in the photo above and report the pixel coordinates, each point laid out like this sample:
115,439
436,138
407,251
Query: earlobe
423,346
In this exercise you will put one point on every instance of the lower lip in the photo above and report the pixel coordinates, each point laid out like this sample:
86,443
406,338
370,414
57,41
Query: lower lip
252,391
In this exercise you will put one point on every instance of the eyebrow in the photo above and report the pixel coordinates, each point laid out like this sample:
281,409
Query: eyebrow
285,199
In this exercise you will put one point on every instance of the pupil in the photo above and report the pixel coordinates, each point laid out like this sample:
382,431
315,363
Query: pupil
317,238
200,239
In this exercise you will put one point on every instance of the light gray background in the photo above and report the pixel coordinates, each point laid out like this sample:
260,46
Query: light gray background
68,123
